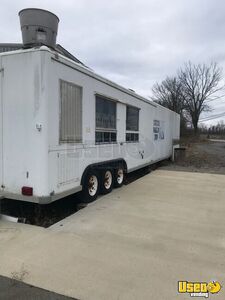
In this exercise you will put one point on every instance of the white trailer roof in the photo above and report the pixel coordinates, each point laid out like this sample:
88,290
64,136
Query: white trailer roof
83,69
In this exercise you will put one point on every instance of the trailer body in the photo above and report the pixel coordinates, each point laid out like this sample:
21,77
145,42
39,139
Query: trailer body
35,146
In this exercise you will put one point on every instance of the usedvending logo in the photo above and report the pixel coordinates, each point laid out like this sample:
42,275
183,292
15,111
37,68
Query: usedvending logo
199,289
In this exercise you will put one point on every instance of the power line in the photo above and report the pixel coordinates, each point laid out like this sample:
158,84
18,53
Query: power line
212,117
215,98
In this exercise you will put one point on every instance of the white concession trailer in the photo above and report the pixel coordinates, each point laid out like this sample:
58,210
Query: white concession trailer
64,128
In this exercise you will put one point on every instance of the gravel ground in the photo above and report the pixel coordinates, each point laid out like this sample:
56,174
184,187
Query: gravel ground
204,156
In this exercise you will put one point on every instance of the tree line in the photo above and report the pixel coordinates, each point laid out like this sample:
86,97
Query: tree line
190,91
217,129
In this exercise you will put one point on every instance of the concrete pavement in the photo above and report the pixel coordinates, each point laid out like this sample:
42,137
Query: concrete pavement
135,243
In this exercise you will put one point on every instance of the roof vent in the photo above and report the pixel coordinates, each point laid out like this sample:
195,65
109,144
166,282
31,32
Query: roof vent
39,27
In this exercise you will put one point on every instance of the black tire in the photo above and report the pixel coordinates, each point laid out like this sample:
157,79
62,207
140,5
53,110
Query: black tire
107,181
118,180
88,194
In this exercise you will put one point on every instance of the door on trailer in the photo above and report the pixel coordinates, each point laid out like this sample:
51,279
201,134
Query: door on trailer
1,123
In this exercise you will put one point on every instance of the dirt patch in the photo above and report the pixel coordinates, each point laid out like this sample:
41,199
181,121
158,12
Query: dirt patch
201,156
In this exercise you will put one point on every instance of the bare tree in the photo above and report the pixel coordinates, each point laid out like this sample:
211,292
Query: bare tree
200,84
169,94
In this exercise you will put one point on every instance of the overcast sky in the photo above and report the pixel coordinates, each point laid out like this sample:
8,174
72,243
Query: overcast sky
134,43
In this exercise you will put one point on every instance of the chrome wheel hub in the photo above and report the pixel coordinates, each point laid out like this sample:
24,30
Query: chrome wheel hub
108,180
120,176
93,185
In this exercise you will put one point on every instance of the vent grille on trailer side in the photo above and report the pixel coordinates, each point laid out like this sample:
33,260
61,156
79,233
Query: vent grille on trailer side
71,113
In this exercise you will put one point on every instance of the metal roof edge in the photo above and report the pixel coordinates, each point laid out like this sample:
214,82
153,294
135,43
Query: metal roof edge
82,68
91,73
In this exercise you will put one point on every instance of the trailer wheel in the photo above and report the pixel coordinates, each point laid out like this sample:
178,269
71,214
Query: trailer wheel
119,177
91,186
106,181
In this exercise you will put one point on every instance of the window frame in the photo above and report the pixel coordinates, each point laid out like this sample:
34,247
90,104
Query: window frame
132,132
102,129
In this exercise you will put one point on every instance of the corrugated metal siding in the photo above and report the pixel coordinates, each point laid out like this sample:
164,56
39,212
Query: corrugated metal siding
71,113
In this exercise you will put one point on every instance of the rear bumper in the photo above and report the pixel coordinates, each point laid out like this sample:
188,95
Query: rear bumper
40,199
